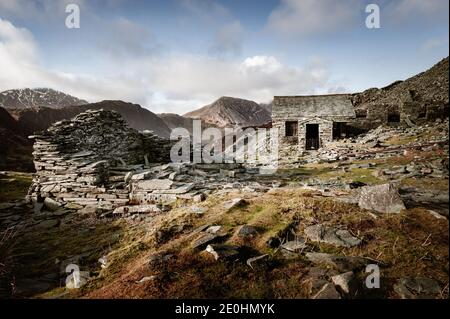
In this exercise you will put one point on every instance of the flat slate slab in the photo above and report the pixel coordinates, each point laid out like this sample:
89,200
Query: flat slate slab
294,246
183,189
328,291
137,209
233,203
326,234
153,184
415,288
203,240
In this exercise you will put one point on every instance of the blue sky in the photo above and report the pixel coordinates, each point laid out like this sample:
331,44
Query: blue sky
177,55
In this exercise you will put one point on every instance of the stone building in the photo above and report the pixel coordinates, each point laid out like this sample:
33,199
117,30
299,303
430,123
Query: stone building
309,122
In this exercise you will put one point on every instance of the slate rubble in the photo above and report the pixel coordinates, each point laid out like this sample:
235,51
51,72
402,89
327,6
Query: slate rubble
84,161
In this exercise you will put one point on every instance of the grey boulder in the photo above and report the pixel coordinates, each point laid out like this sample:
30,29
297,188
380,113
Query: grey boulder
381,198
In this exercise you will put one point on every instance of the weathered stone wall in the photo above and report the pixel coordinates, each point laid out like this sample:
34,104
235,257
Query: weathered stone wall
86,160
323,106
325,131
322,110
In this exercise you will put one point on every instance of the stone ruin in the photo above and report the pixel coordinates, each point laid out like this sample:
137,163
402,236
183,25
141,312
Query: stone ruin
96,162
89,160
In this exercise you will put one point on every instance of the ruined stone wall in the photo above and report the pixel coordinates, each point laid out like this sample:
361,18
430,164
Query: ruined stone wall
323,106
321,109
287,144
86,160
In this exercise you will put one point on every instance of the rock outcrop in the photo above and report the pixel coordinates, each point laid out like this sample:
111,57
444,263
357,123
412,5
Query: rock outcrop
381,198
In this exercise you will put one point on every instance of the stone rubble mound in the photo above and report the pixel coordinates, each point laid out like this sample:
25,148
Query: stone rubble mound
372,145
84,161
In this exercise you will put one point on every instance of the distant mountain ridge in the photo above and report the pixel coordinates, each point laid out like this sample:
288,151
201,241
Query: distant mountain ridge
137,117
37,98
230,111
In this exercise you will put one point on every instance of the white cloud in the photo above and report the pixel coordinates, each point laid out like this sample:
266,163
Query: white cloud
258,78
171,83
306,17
261,63
20,67
313,17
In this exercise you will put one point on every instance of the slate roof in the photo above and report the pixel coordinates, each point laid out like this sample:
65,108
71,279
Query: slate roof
333,105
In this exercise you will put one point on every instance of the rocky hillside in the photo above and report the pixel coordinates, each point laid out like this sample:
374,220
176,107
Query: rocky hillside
431,85
267,106
36,98
228,111
32,120
223,231
425,93
173,120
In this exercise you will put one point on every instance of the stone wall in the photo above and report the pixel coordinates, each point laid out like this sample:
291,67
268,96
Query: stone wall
322,110
323,106
89,159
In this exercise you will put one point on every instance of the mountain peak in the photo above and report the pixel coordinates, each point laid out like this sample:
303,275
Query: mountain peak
230,111
28,98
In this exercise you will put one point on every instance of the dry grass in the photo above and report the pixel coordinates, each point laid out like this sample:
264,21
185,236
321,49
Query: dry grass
409,244
440,184
413,243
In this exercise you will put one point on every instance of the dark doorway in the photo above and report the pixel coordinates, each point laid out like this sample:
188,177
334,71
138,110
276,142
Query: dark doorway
312,136
339,130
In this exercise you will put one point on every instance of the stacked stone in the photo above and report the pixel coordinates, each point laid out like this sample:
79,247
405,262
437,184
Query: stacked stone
85,161
160,148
